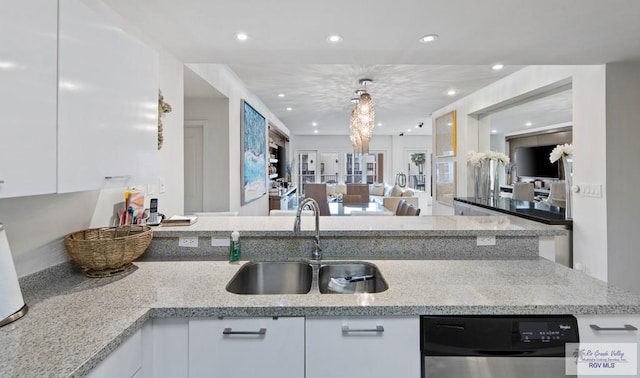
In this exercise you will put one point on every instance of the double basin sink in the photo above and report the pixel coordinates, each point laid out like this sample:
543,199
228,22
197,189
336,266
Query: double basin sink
298,277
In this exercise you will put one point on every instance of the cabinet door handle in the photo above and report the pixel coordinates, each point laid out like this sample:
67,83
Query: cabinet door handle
346,330
121,177
229,331
627,327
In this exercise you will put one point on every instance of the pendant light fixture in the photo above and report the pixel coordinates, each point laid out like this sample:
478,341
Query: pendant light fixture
362,120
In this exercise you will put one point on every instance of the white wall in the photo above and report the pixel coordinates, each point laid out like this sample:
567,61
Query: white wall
590,152
623,179
227,83
216,149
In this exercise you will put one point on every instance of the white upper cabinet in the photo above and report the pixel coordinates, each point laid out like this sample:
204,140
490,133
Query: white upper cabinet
107,103
28,98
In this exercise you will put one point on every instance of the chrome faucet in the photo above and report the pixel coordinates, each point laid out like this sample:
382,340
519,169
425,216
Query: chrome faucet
312,205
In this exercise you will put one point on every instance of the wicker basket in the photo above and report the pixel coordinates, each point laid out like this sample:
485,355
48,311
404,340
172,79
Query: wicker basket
104,252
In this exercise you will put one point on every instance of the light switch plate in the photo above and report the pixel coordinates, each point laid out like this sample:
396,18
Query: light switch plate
486,240
188,241
590,190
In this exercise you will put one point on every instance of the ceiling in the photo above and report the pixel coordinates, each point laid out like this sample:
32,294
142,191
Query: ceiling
288,52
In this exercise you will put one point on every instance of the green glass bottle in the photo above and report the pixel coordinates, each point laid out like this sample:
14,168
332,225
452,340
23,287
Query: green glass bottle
234,247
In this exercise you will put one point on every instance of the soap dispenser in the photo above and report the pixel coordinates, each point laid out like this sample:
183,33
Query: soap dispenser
234,247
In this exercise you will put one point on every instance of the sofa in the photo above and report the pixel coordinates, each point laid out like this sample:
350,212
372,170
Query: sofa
386,195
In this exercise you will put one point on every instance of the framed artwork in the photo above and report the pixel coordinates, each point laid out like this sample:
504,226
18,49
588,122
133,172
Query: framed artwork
445,181
445,134
253,161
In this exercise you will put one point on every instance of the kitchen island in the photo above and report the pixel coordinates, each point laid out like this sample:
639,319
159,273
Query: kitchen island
75,322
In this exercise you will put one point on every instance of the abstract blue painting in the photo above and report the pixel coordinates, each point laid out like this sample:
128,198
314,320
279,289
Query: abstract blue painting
254,154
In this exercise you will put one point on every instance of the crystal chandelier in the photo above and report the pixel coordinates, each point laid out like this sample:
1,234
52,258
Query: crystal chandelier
362,120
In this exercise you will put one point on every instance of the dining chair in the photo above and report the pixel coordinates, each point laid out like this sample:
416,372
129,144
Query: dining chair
402,207
412,211
523,191
361,190
557,194
349,199
319,193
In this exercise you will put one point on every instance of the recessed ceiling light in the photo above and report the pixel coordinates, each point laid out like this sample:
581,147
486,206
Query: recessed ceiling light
334,38
280,94
314,124
429,38
355,100
494,131
5,65
289,109
408,130
379,123
450,124
452,92
242,36
497,67
315,131
528,124
359,92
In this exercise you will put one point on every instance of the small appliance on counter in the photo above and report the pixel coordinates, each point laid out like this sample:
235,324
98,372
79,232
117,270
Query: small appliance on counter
12,306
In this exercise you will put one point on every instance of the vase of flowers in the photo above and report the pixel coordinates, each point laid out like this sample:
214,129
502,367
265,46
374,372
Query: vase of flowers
564,153
496,159
479,164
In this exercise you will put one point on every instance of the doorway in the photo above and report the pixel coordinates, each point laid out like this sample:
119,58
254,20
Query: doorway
193,166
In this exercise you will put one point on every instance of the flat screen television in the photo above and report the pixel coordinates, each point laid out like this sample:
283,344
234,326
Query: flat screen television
534,162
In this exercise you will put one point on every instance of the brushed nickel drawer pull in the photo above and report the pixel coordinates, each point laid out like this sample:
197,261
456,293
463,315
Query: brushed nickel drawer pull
229,331
122,177
347,330
627,327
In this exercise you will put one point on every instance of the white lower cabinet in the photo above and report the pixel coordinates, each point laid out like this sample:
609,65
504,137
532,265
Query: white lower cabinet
246,347
363,347
610,329
125,361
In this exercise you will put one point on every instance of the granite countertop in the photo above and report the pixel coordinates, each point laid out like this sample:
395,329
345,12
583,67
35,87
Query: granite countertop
365,226
74,322
535,211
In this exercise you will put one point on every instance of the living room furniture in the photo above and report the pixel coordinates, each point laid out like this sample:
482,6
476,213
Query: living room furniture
557,194
411,210
319,193
391,203
402,206
523,191
361,190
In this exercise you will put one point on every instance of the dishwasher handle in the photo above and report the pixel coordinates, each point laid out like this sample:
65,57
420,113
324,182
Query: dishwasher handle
627,327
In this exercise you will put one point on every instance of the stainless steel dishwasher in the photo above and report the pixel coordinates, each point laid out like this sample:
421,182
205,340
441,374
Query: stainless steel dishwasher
496,346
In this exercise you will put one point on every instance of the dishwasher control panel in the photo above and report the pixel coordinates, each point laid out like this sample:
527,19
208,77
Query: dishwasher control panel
540,332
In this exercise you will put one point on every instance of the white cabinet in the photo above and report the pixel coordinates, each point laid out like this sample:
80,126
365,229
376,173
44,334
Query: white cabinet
363,347
107,103
28,51
125,361
610,329
246,347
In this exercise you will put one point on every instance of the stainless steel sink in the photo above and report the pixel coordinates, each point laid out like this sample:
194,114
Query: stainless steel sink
272,277
366,276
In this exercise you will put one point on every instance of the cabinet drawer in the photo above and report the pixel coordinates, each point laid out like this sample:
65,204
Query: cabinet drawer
613,328
246,347
363,347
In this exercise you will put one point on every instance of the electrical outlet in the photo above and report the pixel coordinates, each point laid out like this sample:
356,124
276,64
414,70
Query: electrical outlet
162,185
486,240
188,241
220,242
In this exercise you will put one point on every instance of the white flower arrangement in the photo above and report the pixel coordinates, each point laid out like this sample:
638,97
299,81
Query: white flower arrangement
498,156
476,158
560,151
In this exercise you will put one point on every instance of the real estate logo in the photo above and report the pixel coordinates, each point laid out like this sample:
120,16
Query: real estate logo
601,359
